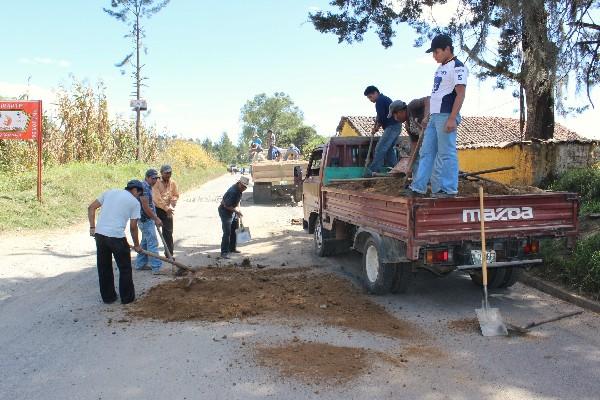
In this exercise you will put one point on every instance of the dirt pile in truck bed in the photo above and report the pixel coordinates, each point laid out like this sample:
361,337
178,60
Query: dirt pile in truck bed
228,293
395,186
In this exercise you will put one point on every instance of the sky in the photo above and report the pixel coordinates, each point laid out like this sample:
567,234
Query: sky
205,59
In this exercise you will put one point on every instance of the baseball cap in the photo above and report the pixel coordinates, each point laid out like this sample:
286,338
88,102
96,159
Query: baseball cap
396,105
244,180
440,42
166,168
134,183
151,173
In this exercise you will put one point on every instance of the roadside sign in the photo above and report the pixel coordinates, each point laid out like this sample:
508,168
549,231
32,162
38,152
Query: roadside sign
138,105
22,120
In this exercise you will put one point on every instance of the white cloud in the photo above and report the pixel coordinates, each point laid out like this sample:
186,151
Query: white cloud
45,61
314,9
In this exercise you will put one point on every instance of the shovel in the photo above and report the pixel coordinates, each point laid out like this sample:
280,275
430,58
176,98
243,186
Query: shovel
406,164
490,320
525,329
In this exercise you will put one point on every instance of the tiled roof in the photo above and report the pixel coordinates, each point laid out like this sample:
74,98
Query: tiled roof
474,131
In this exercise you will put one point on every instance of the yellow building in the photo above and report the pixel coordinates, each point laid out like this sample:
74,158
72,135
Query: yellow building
492,142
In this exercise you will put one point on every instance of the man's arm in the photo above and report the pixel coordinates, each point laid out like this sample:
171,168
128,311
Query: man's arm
174,193
92,215
133,229
458,102
148,211
157,198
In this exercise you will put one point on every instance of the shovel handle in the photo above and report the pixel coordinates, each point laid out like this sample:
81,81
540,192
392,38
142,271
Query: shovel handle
483,249
164,242
165,259
558,317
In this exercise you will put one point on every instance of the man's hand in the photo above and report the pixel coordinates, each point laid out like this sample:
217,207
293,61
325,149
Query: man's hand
239,214
137,248
157,221
170,212
451,124
425,122
92,232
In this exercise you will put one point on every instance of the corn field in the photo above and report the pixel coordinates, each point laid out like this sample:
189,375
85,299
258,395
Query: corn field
81,131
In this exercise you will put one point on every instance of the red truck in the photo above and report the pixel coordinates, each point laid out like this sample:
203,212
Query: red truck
399,234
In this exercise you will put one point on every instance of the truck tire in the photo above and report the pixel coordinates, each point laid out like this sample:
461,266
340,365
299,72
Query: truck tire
323,247
402,278
496,277
377,276
261,193
513,274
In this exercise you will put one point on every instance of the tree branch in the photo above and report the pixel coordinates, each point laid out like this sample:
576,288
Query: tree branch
492,68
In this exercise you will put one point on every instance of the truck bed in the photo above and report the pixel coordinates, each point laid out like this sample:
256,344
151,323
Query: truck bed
426,221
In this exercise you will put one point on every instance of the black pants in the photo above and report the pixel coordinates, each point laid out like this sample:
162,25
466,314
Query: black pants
106,248
229,224
167,228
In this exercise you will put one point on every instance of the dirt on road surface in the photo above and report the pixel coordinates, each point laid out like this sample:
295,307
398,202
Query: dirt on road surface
59,341
296,294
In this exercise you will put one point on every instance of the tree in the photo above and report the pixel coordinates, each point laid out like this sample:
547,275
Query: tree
131,12
543,44
277,112
225,150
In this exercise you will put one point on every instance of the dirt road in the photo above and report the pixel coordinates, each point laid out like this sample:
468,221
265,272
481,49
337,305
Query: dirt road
58,341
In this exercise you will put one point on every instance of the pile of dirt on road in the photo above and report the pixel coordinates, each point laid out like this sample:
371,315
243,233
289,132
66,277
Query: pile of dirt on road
315,363
228,293
396,187
465,325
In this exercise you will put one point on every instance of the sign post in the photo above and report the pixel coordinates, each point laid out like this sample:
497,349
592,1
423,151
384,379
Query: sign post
22,120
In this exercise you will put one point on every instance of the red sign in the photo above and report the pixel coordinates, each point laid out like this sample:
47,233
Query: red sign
20,120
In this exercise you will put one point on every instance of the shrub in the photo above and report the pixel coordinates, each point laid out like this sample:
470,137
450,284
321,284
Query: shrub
183,155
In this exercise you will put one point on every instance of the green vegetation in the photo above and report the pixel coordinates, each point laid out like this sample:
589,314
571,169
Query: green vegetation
579,268
68,189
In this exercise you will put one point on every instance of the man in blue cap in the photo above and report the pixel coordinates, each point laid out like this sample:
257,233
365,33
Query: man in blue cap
147,224
118,207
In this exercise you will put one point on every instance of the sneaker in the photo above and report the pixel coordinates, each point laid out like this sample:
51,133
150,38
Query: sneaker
411,193
225,256
442,195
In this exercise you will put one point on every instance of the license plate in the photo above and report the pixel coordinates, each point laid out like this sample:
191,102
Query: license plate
283,182
476,256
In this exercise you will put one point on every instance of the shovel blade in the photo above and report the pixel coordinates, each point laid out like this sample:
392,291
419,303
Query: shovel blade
490,322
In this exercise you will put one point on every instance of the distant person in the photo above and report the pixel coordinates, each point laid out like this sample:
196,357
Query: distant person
230,215
384,154
271,143
256,140
438,159
117,207
165,196
292,153
274,153
147,224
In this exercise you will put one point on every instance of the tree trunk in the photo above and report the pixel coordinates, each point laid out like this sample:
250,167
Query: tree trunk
538,71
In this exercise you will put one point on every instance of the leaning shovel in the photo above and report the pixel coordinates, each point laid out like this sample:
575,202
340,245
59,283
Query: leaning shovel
490,320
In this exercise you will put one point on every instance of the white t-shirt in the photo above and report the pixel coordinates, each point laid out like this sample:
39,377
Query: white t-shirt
446,78
118,207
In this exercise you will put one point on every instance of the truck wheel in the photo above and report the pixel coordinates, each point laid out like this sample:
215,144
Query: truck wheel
403,277
512,276
378,277
496,277
323,247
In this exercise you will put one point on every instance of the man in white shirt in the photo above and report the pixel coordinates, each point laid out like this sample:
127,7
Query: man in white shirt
438,160
118,207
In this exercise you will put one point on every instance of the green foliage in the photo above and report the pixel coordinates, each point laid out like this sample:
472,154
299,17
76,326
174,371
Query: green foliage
225,150
585,182
579,270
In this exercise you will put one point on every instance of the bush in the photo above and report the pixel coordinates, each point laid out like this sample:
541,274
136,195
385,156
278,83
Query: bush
586,182
183,155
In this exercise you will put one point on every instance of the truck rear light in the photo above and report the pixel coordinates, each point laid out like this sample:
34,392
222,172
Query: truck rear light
436,256
531,247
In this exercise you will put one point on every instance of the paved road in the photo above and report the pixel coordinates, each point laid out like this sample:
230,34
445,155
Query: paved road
58,341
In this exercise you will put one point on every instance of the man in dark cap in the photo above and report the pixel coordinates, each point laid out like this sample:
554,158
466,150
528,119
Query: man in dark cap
147,224
438,159
165,195
118,207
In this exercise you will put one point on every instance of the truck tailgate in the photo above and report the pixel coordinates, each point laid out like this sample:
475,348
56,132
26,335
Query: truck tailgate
552,214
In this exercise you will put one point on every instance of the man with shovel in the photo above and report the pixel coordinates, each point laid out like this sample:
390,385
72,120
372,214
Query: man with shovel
147,224
230,215
165,196
118,207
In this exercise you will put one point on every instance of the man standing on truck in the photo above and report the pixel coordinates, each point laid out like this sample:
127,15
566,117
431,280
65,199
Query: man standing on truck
230,215
415,117
438,158
118,207
165,196
384,151
271,143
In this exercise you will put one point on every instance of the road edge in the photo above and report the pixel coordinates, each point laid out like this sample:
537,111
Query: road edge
560,293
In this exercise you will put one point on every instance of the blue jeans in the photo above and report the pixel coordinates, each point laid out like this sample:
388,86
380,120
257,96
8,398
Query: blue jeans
149,243
438,160
385,153
229,223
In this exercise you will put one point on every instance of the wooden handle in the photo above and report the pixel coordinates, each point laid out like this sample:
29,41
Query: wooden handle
483,250
165,259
